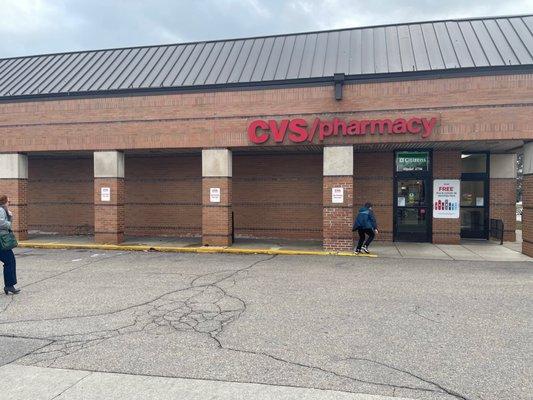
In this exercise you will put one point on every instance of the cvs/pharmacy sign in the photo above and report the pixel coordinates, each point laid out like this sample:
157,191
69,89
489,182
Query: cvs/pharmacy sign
298,130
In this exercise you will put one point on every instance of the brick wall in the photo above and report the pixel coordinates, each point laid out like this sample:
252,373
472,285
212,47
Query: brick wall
60,195
527,216
278,196
503,205
163,195
469,108
446,165
373,182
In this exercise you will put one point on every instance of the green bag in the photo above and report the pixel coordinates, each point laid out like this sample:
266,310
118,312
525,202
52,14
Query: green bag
8,241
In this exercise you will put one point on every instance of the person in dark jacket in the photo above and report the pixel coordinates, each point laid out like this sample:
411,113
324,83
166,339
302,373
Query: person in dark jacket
366,226
7,257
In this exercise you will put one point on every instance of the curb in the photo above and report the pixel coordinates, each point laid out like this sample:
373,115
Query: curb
170,249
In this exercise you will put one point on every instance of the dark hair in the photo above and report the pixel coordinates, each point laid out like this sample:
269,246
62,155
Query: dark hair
368,205
3,200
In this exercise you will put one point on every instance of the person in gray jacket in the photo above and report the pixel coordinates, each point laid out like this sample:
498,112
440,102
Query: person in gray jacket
7,256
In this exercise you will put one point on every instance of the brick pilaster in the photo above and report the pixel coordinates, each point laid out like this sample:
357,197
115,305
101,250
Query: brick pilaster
527,200
217,172
446,165
503,205
109,215
216,216
527,215
338,218
109,211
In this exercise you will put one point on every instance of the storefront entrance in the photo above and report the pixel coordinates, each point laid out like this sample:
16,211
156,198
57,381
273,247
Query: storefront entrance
474,196
412,197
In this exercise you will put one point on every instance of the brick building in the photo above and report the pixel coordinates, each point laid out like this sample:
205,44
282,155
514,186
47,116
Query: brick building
276,137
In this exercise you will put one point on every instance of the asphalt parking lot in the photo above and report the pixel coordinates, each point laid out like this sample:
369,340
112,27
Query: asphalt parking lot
395,327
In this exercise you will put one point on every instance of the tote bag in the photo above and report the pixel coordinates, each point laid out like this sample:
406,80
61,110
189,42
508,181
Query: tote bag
8,241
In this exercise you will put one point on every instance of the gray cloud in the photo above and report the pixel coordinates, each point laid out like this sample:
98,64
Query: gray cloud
46,26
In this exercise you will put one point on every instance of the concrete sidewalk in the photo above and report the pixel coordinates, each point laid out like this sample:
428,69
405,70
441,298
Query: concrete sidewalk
468,250
38,383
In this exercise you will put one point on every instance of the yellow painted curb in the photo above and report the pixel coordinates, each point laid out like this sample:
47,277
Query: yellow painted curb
226,250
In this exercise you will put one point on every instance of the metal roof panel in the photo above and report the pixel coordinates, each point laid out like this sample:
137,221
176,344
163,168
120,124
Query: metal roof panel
220,63
432,47
331,57
274,59
501,43
367,51
319,58
519,48
308,55
419,48
295,62
409,47
208,64
285,58
406,49
489,48
474,46
394,58
241,61
461,49
381,64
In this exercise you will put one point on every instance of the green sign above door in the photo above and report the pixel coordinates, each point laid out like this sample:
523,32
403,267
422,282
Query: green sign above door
412,161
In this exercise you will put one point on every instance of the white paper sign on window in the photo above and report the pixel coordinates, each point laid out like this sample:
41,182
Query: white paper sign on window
446,198
337,195
105,194
214,195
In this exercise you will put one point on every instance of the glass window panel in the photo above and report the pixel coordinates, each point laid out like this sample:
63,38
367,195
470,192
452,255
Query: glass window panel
473,219
411,192
472,194
411,220
474,163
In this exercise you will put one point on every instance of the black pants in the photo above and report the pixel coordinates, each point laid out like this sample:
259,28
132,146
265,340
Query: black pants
362,233
10,267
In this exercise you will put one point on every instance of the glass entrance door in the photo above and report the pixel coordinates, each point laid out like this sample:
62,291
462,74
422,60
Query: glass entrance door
412,222
475,195
474,209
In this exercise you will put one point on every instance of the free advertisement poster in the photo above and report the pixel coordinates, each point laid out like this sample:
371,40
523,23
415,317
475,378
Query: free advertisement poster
446,197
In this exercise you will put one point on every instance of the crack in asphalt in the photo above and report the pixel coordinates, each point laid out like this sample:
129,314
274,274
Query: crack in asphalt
203,307
416,311
429,382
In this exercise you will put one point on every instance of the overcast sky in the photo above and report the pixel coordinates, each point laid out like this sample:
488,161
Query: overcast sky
47,26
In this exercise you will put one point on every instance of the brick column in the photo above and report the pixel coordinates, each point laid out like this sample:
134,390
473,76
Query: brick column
109,197
216,197
503,192
337,217
527,201
13,184
446,165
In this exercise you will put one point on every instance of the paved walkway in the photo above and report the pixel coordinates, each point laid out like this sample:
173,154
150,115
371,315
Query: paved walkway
38,383
468,250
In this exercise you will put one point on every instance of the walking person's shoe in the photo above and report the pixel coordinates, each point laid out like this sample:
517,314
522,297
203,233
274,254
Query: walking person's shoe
11,289
365,249
357,251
